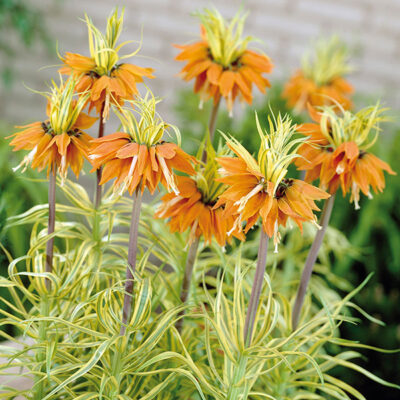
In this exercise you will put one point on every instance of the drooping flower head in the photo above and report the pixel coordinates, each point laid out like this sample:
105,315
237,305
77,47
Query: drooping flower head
139,155
221,63
260,188
108,80
58,142
337,151
193,208
321,80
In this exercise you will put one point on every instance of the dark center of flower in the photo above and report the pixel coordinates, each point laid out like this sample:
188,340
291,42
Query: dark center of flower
281,189
93,74
362,154
47,128
235,65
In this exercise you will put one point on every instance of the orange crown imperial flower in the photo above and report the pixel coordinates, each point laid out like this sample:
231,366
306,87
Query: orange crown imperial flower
221,63
320,81
107,80
337,151
194,208
58,142
139,156
260,188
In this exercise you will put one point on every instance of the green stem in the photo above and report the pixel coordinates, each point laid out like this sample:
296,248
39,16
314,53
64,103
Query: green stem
132,251
51,223
311,258
41,353
256,288
187,277
211,126
235,388
97,200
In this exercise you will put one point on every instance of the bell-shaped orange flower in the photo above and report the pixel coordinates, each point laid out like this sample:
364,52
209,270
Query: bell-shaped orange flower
193,207
106,79
221,64
59,142
260,189
139,156
337,153
321,81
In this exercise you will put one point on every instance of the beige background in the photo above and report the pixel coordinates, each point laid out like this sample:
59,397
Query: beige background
286,28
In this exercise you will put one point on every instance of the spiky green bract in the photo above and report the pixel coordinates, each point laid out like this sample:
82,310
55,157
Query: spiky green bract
224,38
278,148
143,123
103,46
362,127
208,172
329,61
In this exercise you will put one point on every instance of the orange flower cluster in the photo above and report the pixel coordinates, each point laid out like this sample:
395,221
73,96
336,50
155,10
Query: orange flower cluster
221,64
320,81
132,163
188,210
139,156
259,189
104,90
300,91
341,161
102,75
59,142
251,196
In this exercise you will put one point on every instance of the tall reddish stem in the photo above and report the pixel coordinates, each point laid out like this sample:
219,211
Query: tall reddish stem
51,222
100,134
311,258
256,288
132,252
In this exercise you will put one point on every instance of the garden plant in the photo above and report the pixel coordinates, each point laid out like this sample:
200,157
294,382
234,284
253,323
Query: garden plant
189,276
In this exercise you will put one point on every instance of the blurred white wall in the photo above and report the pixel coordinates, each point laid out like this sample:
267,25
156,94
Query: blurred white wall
286,28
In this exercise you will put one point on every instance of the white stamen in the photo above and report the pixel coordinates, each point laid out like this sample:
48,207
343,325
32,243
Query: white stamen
236,225
201,104
315,223
170,204
128,179
340,169
106,107
222,172
168,176
243,201
26,161
94,156
355,195
277,236
369,194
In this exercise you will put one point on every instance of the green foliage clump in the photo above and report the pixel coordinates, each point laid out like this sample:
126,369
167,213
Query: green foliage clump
70,345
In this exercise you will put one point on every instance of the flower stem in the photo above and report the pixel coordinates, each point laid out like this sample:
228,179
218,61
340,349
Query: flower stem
187,277
51,222
311,258
211,126
100,134
41,352
132,251
256,288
